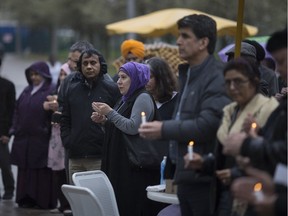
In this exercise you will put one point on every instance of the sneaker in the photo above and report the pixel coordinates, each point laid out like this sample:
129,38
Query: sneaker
67,212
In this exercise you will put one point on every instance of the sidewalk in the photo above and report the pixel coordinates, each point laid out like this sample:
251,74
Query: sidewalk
9,208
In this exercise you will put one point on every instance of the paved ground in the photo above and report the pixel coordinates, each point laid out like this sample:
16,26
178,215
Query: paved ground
13,68
9,208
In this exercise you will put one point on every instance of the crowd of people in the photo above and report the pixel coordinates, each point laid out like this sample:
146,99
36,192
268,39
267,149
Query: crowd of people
75,120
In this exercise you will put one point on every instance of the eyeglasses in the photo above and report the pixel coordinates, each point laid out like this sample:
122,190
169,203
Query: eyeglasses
236,83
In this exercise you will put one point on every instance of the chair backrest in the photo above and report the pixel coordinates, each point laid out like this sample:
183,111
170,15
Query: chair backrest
82,200
99,184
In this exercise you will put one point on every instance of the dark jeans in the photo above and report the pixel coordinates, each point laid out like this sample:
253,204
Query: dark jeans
194,199
225,203
5,165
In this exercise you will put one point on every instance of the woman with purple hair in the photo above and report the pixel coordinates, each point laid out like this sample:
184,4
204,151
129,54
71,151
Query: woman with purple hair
129,183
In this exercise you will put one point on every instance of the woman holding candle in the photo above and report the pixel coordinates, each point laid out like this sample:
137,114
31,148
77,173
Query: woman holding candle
270,147
129,183
242,85
31,127
56,152
162,86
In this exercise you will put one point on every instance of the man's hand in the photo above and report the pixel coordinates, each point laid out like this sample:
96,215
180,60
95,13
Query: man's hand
224,175
233,143
4,139
243,189
196,163
151,130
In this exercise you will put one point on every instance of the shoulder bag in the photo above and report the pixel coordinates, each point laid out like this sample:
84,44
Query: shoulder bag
144,153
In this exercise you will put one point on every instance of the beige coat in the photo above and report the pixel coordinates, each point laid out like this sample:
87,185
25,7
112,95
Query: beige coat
260,107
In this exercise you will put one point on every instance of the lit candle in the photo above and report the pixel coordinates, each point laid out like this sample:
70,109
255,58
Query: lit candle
253,126
190,150
258,192
143,117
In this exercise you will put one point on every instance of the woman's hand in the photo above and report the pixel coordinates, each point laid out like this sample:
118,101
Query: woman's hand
98,118
51,104
247,125
284,91
101,108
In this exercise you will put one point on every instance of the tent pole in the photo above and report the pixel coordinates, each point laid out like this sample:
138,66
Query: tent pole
238,38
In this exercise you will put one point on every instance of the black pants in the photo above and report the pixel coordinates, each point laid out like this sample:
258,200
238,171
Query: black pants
194,199
225,203
59,178
5,166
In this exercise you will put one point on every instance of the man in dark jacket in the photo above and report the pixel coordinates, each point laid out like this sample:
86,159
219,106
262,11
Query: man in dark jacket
7,104
81,137
73,57
198,113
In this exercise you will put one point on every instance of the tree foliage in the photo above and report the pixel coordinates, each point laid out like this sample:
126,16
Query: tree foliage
89,17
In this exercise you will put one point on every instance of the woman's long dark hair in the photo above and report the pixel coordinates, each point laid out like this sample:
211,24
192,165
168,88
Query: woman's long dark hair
166,81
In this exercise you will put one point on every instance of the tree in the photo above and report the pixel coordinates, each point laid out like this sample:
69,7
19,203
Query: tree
89,17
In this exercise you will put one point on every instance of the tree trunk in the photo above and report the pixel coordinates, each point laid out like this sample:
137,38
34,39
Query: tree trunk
54,40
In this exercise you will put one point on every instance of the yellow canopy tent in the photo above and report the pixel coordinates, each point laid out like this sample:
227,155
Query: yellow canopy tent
163,22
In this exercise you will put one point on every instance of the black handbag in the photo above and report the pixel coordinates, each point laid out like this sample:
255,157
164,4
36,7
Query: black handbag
143,153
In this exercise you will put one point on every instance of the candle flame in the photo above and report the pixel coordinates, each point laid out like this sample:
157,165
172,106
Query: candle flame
254,125
142,113
191,143
257,186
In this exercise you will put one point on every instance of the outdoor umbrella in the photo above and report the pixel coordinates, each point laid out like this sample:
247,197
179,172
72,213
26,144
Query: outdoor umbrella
163,22
163,50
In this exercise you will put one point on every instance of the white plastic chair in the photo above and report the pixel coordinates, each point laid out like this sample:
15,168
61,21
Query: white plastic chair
82,200
99,184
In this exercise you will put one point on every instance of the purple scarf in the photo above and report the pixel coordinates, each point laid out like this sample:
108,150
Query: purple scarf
139,75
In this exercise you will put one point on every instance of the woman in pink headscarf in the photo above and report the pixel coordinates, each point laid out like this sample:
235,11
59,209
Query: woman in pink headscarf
56,154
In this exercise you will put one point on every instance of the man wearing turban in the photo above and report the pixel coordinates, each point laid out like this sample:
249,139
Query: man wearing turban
132,50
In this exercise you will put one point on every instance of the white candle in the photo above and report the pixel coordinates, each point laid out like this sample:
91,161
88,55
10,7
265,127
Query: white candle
190,150
143,117
258,192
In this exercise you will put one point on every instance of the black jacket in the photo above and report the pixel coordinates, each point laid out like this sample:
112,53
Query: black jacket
80,135
7,104
200,114
266,152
